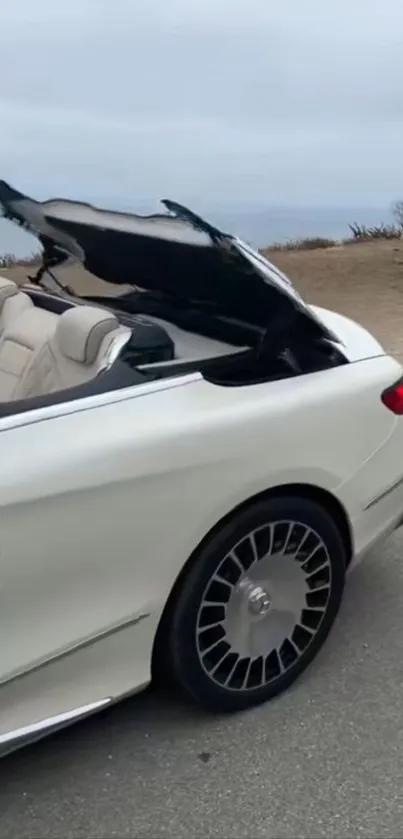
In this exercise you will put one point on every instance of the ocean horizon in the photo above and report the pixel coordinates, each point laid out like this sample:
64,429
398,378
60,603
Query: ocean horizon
260,226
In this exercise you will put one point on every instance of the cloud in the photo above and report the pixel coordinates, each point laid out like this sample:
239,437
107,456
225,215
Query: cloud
237,100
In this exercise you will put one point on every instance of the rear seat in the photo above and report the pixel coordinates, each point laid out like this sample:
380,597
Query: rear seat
12,303
74,353
20,341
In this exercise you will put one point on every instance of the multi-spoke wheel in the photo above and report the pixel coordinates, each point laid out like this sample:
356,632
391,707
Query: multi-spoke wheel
257,604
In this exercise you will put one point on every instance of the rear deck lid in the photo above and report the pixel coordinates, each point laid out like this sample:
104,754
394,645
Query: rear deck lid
176,253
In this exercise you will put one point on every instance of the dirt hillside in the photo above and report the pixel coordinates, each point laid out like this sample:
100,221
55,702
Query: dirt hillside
362,281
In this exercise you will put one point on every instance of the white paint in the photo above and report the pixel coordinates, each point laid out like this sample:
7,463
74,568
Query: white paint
102,502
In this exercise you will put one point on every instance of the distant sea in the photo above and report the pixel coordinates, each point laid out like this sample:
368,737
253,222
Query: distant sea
259,226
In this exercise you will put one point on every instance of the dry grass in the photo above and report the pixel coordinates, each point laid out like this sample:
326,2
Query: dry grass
364,282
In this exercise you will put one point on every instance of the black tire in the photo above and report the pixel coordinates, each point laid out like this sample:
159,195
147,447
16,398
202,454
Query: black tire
185,660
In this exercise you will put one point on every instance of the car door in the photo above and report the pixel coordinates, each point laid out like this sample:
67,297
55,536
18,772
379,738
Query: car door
98,501
77,523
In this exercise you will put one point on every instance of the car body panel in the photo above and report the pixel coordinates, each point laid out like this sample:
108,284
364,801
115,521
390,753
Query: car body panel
104,499
356,341
87,497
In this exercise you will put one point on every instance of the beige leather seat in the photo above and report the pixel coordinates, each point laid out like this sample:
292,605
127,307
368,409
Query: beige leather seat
12,303
20,340
75,353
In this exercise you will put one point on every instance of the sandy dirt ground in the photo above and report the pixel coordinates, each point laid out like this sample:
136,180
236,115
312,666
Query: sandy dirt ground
362,281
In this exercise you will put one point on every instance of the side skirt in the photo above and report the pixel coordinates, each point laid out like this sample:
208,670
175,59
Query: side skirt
79,682
20,737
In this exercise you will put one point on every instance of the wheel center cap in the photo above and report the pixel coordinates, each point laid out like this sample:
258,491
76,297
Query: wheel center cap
259,601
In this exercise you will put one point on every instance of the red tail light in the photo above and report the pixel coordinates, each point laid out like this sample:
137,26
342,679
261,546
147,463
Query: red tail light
393,398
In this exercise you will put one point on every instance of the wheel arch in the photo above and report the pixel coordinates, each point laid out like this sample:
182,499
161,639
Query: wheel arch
307,491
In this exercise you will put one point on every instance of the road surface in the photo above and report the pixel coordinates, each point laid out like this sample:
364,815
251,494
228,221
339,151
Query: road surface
324,760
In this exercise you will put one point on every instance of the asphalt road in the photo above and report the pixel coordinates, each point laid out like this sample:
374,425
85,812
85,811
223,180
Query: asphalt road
325,760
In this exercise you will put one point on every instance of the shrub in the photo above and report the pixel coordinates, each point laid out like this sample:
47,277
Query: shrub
397,212
361,233
304,244
9,260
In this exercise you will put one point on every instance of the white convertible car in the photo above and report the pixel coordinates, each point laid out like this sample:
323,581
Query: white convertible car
188,468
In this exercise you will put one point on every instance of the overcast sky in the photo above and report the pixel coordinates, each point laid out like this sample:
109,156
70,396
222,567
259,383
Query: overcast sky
293,103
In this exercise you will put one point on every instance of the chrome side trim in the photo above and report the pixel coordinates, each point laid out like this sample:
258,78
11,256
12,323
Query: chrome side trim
36,729
89,403
75,648
52,722
383,494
